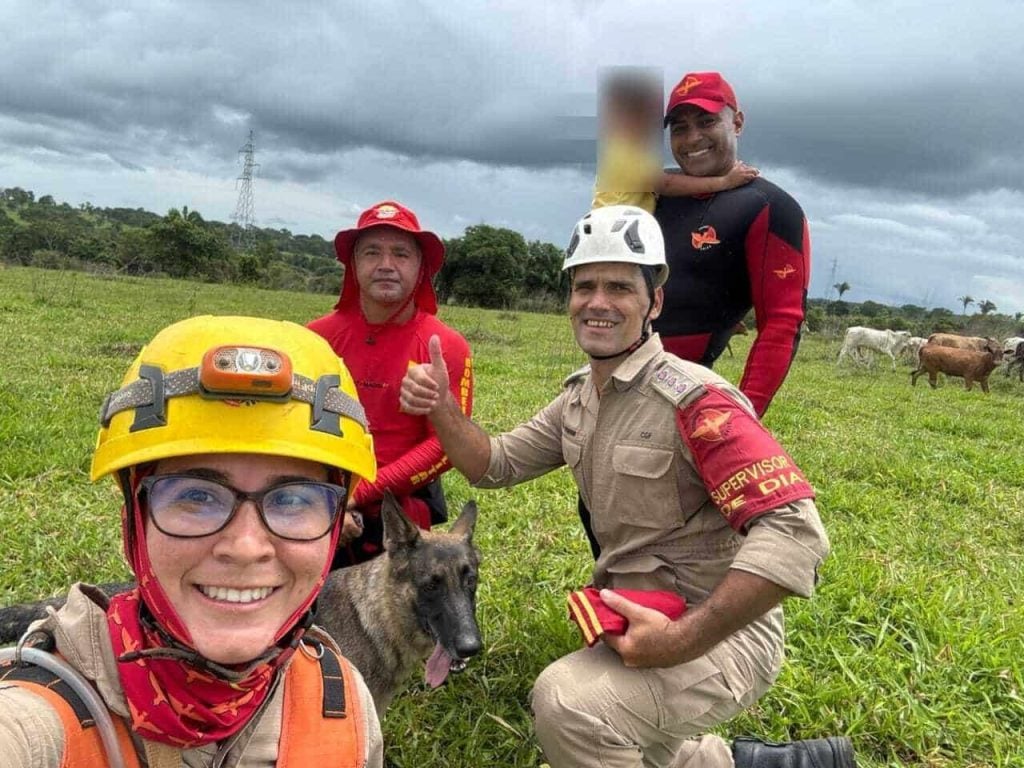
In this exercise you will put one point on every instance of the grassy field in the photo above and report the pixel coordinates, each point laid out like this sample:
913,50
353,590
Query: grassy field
912,646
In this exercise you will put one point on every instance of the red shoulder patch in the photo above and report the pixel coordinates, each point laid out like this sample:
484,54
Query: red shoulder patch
745,470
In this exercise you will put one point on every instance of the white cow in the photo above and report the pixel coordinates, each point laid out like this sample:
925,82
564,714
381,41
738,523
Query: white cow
912,349
1011,359
1017,361
860,341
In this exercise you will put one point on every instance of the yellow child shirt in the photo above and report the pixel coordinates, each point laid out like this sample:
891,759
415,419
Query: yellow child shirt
625,174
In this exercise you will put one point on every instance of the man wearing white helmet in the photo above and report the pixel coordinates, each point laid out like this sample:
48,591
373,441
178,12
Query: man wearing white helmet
699,517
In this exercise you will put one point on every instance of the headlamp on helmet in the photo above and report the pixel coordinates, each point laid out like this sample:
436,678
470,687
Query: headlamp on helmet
235,385
253,371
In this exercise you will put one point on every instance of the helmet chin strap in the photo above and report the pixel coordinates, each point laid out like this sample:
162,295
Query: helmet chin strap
628,350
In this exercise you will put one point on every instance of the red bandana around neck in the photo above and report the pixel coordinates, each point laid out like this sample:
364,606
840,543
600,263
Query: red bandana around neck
175,696
171,699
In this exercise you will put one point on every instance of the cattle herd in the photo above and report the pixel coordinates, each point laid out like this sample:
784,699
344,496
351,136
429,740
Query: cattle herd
971,358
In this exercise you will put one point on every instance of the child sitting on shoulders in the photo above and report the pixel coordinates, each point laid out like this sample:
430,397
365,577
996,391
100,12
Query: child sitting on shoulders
629,165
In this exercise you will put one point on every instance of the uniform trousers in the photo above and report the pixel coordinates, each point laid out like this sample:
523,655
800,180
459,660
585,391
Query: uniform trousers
591,711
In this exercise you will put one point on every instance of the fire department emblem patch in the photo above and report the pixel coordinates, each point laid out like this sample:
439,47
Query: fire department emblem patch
704,237
709,425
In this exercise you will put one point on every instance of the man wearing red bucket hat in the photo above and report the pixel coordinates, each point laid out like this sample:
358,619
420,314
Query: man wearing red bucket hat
381,324
730,251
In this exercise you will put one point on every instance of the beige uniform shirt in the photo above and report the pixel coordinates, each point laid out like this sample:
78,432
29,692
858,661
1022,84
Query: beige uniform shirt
651,512
31,734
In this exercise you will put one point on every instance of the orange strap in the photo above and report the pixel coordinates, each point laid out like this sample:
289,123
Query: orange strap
327,684
82,743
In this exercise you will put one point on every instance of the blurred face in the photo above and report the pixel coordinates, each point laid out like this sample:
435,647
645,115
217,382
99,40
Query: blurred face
235,589
633,121
607,305
387,263
703,143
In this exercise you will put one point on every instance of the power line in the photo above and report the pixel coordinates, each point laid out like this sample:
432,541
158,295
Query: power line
243,216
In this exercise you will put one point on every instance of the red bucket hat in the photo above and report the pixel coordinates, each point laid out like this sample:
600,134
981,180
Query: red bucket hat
707,90
391,214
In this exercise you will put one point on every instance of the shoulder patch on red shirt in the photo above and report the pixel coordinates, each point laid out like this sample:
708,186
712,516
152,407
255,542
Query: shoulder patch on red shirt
745,470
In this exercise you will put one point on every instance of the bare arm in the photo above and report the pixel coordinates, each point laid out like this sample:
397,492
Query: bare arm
681,185
426,392
653,640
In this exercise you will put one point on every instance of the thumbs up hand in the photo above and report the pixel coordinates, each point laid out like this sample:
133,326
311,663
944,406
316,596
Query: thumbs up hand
425,386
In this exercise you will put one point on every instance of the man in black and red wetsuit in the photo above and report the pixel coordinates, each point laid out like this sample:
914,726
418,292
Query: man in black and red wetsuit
380,326
730,251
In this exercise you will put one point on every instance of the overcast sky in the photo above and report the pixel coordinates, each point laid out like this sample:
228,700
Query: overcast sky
898,126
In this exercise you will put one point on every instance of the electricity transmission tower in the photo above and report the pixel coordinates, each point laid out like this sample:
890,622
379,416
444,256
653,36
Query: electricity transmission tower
832,279
243,215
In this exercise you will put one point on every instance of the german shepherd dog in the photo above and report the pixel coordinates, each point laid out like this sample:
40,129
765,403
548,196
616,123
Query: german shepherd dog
415,602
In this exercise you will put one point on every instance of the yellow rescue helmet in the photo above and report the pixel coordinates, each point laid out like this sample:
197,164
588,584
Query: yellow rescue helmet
235,385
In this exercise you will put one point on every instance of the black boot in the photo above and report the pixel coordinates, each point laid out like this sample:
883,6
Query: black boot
833,752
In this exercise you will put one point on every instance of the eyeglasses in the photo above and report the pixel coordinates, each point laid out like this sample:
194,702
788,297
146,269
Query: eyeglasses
189,507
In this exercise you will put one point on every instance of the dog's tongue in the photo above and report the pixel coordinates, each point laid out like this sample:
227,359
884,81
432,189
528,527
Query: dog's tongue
438,666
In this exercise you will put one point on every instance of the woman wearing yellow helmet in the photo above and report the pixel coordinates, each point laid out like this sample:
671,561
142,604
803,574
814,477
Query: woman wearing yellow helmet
235,442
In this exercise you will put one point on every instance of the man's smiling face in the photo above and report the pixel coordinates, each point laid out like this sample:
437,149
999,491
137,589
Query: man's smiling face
704,143
607,306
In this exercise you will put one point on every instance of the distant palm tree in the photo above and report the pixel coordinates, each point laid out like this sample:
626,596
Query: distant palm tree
842,288
965,300
985,306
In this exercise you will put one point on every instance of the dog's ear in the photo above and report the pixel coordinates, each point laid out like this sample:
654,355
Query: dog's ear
399,530
466,521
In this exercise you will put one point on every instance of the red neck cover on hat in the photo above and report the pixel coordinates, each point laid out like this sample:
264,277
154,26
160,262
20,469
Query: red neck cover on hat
174,695
393,215
423,294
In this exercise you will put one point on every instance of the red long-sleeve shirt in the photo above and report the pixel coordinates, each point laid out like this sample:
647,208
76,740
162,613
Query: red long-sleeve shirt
408,452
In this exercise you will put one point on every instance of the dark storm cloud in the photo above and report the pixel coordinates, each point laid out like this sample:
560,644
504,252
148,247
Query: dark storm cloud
934,137
398,78
895,118
506,88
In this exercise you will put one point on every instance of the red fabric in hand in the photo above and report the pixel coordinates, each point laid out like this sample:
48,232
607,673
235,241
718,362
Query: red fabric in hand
594,618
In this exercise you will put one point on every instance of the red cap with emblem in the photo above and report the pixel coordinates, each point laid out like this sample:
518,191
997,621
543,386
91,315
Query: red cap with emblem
391,214
707,90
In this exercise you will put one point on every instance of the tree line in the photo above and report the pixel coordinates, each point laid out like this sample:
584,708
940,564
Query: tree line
834,316
486,266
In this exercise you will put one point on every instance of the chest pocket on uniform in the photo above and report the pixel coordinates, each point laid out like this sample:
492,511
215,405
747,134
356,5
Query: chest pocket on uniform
641,461
644,495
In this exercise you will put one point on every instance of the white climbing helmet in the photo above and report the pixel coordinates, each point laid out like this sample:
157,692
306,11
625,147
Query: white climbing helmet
618,233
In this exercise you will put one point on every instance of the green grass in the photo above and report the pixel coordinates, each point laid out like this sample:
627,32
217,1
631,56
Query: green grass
912,645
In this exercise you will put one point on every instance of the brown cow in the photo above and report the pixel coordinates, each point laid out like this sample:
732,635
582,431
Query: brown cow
972,366
961,342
